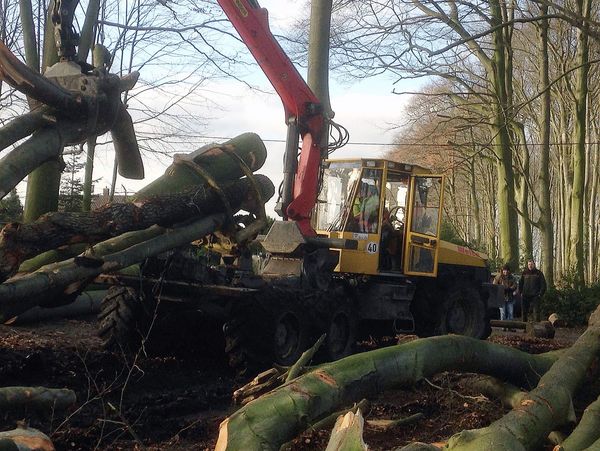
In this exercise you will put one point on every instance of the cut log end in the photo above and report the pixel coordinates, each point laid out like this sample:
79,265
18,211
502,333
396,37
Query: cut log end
347,434
544,329
25,439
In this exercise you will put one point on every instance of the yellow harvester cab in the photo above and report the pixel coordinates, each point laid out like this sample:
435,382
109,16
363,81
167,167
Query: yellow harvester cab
392,210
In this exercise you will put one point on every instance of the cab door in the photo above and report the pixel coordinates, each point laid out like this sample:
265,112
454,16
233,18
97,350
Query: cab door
423,225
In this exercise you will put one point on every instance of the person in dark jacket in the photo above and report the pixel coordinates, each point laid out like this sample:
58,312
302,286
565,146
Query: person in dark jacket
532,286
506,279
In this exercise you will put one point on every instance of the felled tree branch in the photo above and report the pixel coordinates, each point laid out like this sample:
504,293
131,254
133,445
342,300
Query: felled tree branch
547,406
280,415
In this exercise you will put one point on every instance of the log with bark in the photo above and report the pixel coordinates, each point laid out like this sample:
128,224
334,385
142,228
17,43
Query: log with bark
24,292
220,161
544,408
25,438
176,196
87,303
543,329
41,287
277,417
36,398
587,433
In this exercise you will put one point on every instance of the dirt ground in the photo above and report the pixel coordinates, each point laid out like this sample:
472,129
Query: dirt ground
176,402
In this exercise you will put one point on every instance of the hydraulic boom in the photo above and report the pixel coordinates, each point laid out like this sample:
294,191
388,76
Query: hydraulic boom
303,111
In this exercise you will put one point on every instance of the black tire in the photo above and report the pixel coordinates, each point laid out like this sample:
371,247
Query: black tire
272,328
341,334
463,313
246,347
291,334
124,321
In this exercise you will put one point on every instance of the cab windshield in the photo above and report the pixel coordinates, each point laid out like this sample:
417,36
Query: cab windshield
334,204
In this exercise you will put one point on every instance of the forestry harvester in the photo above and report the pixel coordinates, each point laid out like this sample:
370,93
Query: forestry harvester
358,250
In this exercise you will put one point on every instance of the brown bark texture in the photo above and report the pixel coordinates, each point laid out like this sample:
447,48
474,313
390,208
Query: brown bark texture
36,398
25,439
19,242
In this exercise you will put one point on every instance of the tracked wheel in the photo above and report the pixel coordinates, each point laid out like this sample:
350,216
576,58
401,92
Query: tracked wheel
124,320
463,313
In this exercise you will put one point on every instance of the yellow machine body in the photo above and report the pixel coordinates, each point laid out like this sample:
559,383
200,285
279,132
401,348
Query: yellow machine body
393,211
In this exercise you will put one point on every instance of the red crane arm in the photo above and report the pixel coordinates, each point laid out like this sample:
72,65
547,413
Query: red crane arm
302,107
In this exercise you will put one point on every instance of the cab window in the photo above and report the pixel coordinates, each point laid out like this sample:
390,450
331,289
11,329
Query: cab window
365,212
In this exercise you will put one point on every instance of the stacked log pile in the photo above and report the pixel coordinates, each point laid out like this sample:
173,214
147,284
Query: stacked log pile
195,197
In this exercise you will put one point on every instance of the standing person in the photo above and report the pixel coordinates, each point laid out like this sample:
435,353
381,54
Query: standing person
532,286
506,279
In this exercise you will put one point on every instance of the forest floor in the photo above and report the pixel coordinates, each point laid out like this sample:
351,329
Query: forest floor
176,402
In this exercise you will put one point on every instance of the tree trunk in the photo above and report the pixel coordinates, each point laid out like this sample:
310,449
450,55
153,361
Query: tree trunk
546,223
89,173
32,56
43,183
508,394
318,58
86,304
501,80
592,211
87,31
476,215
215,159
586,432
576,254
522,191
314,395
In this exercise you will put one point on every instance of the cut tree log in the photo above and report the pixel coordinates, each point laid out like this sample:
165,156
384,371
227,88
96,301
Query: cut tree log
220,161
547,406
25,439
53,256
347,434
543,329
277,417
23,293
36,398
556,320
492,387
508,324
20,294
587,431
19,242
87,303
